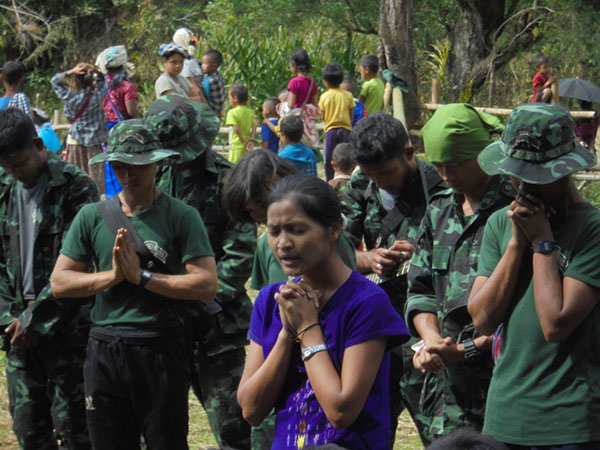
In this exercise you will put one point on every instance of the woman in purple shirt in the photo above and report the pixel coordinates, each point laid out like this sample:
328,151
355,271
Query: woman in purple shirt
319,343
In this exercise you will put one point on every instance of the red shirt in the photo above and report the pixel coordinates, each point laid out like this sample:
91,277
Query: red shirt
124,91
300,86
538,81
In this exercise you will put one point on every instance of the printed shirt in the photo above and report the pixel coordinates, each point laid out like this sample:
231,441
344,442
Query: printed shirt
372,91
214,91
546,393
68,189
359,311
90,129
124,91
233,243
337,106
173,232
19,101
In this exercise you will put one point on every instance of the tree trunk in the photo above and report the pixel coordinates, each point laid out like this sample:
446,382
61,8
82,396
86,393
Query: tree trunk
395,34
471,41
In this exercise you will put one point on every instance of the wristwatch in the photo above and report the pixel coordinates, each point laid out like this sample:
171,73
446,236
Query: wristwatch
145,277
544,247
471,352
309,351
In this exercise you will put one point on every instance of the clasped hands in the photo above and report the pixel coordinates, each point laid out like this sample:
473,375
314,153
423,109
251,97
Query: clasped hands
436,355
125,261
529,218
386,260
298,305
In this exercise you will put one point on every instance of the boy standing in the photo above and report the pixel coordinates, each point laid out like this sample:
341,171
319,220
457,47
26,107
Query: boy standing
44,339
268,132
213,86
337,106
300,155
241,118
343,164
542,80
13,78
539,280
349,84
372,90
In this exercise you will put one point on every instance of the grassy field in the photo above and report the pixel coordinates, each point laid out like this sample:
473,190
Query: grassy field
200,436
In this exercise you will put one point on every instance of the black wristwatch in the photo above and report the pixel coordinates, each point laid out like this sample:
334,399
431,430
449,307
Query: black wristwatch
544,247
145,277
471,352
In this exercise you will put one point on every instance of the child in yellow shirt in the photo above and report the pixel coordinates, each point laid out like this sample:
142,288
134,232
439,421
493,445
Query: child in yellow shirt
241,118
337,106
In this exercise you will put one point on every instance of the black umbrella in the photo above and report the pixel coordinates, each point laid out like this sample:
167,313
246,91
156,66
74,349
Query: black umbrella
579,89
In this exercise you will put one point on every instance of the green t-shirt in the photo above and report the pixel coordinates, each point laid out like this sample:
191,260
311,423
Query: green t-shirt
243,117
266,269
543,393
173,232
372,91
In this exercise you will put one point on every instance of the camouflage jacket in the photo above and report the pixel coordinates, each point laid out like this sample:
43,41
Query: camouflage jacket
362,203
69,188
444,265
233,243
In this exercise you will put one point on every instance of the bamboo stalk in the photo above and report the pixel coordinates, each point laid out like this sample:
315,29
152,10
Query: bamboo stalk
507,111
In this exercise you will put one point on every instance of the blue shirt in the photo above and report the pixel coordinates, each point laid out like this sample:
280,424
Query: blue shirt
267,135
359,311
301,156
359,112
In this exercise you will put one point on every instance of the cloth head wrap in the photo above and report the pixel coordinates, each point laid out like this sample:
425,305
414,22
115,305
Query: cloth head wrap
112,57
186,39
458,132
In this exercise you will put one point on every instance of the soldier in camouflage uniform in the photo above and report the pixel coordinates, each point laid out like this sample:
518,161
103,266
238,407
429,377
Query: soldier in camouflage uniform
386,212
197,179
44,338
456,359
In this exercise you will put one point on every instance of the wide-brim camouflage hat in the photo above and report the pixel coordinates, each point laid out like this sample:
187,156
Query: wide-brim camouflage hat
186,126
538,146
134,142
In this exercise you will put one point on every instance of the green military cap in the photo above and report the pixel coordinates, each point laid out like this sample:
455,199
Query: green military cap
134,142
538,146
185,126
458,132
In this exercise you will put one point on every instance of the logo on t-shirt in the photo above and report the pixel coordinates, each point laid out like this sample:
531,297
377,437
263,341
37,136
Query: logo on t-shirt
157,251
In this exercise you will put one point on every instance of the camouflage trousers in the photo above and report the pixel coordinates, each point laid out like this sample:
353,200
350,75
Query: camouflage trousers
406,385
263,435
45,394
454,399
215,380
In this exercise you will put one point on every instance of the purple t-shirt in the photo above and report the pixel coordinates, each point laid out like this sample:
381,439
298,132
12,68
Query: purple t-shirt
299,85
359,311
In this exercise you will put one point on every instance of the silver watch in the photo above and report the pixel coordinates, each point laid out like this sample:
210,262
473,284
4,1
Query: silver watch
309,351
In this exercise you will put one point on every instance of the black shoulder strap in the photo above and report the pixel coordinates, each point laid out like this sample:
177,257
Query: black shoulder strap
115,218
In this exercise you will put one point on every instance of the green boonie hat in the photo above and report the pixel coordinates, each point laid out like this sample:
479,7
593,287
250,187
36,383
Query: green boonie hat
538,146
458,132
134,142
188,127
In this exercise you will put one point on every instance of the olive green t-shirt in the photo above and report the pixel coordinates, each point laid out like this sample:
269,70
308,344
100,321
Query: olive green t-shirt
545,393
372,91
266,269
173,232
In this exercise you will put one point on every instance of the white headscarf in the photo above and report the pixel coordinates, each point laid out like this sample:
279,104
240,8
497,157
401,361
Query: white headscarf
112,57
186,39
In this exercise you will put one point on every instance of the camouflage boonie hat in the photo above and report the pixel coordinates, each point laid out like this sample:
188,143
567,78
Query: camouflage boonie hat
185,126
134,142
538,146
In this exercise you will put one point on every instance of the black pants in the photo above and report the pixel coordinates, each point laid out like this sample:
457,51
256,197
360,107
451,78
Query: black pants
137,383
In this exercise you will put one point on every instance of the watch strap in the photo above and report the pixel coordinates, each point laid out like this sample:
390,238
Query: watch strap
471,351
544,247
145,277
310,351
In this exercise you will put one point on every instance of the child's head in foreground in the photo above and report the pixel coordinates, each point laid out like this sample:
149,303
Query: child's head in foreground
292,129
342,160
13,74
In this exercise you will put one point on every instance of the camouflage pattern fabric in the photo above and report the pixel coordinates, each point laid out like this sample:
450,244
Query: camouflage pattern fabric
54,321
220,339
134,142
442,272
362,202
538,146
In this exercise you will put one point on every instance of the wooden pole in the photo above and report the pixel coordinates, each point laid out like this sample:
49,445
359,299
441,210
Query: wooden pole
507,111
435,91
